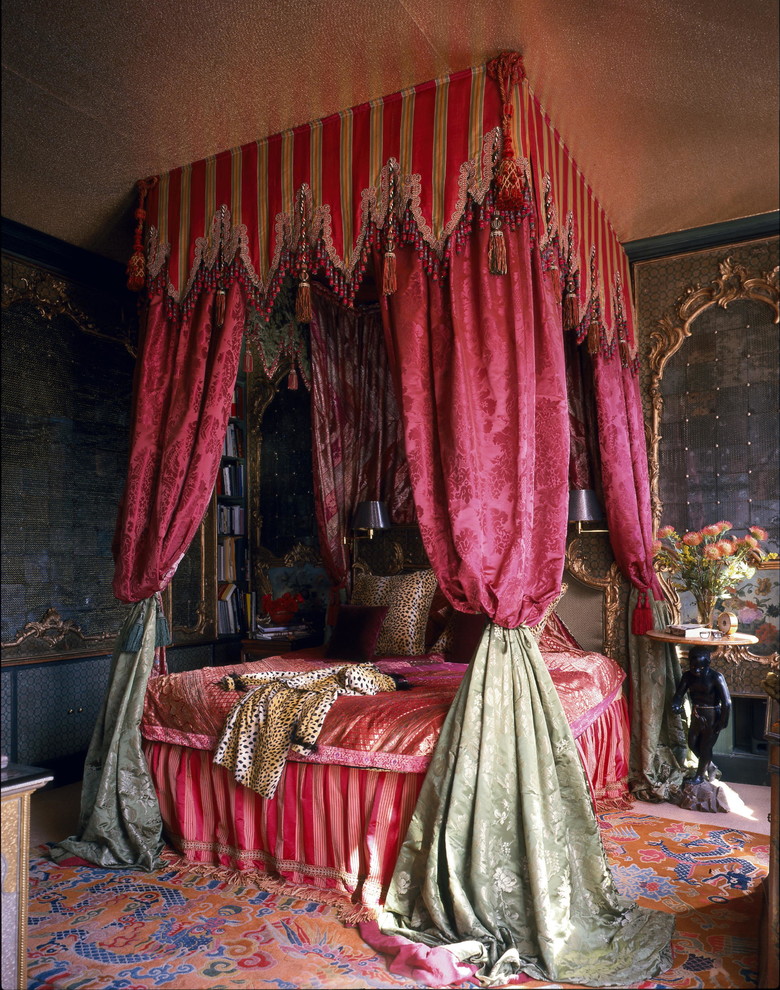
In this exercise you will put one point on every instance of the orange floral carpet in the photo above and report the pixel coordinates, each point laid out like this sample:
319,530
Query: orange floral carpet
93,928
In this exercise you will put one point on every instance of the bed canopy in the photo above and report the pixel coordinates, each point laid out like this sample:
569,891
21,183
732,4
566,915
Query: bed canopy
487,243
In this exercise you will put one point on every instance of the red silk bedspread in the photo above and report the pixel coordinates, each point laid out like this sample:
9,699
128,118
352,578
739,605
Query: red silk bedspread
332,829
394,731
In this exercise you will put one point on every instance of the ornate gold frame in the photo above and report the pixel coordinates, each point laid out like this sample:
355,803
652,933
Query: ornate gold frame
610,584
735,282
669,334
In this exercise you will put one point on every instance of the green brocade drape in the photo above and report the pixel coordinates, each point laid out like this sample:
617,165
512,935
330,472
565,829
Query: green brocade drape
120,823
659,747
503,862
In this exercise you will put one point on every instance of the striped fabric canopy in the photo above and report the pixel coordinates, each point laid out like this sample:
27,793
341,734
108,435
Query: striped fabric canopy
419,163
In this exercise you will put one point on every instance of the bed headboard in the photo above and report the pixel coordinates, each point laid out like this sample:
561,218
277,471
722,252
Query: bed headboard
593,608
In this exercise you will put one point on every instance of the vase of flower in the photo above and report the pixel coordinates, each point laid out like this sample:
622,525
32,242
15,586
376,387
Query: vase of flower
705,609
708,563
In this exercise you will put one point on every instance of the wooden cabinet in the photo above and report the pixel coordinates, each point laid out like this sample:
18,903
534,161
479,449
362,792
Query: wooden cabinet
18,783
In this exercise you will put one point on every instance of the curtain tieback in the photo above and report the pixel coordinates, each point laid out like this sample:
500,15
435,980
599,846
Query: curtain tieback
642,619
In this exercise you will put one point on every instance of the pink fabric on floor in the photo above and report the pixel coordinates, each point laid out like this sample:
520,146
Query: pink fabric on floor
426,965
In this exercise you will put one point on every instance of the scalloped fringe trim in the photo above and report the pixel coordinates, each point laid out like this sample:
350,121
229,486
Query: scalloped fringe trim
347,912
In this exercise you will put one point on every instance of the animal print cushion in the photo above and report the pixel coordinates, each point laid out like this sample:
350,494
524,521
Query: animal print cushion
408,597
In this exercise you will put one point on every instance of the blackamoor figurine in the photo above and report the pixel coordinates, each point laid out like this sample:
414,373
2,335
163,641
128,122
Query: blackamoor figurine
710,708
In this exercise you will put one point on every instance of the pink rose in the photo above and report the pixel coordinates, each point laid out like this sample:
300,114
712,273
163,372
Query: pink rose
692,539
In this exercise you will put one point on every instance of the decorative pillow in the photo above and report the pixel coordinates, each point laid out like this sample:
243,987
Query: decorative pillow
356,632
408,598
461,636
538,629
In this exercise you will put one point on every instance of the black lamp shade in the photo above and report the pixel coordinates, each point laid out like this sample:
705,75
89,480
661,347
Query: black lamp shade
584,506
371,515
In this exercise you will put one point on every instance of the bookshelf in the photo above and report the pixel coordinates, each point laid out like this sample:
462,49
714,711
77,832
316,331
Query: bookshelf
235,606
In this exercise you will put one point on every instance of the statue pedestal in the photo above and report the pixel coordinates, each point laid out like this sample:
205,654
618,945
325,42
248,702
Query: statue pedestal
708,795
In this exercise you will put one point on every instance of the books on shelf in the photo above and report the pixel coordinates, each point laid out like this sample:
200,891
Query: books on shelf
231,520
230,609
230,479
688,630
233,445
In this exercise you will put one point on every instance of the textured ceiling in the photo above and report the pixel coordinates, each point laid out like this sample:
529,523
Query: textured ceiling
669,106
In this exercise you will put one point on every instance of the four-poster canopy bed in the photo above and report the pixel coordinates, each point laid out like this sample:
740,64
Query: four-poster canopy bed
451,191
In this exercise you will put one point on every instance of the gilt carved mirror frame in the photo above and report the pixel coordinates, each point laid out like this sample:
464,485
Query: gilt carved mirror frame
666,337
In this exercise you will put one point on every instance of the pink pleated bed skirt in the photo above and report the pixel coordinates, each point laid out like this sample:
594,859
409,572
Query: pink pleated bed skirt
336,829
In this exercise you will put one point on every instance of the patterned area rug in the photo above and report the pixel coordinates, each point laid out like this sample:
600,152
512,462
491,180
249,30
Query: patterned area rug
93,928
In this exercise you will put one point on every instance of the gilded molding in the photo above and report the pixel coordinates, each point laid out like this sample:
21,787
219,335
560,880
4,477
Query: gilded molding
51,296
745,672
52,636
667,337
610,584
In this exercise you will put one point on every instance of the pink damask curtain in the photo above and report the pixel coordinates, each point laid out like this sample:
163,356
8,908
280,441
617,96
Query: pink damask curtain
183,389
479,367
356,427
624,469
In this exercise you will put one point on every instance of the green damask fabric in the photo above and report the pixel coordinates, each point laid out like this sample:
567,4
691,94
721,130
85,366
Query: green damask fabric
120,823
503,862
658,737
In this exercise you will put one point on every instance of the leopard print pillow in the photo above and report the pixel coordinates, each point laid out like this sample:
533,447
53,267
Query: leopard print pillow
408,598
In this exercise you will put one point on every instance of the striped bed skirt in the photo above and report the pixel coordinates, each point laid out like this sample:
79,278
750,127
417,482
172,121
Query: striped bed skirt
335,829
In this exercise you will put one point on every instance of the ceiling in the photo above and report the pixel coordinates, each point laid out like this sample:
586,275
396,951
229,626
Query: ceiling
670,107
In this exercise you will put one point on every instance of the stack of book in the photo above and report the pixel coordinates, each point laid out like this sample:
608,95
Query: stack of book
295,631
230,618
688,630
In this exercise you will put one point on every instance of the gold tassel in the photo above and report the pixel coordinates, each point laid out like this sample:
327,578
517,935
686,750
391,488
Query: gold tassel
389,281
292,378
555,278
303,301
594,337
496,248
625,356
136,266
571,314
219,307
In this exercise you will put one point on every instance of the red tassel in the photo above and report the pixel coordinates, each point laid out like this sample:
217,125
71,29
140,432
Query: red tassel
389,281
642,619
292,378
303,301
509,179
219,307
136,266
496,249
571,311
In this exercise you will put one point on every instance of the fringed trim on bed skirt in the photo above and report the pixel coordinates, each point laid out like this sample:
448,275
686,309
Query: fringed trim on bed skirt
347,912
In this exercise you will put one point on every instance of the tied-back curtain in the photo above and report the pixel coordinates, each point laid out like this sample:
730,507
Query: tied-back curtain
183,389
502,862
356,427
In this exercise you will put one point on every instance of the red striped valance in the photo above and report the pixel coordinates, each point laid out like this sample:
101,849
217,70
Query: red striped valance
318,196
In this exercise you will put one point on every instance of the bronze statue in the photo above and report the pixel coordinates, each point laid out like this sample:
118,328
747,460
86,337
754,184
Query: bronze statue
710,708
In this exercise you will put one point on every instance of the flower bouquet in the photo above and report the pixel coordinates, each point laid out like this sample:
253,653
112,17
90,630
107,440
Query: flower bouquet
708,563
282,609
